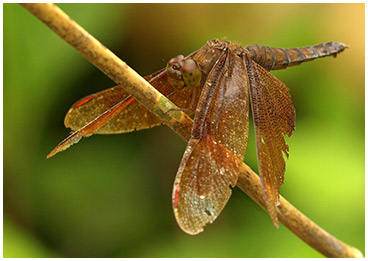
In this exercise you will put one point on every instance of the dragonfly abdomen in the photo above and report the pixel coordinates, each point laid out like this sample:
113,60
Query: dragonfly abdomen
280,58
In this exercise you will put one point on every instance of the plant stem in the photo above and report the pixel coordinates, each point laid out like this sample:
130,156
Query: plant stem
178,121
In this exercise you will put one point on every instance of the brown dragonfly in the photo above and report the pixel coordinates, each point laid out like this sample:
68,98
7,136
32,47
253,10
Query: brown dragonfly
220,83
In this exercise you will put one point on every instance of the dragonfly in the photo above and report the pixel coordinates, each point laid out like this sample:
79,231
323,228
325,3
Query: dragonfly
219,84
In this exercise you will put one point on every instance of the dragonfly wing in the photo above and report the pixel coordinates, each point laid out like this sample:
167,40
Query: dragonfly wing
134,116
202,184
115,111
90,107
208,169
274,117
90,128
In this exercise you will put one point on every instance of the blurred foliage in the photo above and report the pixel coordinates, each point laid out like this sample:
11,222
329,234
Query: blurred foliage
110,196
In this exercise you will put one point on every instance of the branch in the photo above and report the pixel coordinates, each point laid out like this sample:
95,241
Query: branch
179,122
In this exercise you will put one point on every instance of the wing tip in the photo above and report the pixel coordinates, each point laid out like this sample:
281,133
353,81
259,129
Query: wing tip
272,211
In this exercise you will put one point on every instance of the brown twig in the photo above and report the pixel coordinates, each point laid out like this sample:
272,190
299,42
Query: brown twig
133,83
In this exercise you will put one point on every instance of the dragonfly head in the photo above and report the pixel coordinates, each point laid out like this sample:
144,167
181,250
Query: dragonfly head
183,72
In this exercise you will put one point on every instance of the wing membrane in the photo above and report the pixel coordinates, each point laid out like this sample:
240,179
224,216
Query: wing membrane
114,111
202,185
208,169
134,117
274,117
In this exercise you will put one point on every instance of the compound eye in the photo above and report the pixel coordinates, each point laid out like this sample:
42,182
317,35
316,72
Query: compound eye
174,73
173,67
176,60
183,72
189,66
191,72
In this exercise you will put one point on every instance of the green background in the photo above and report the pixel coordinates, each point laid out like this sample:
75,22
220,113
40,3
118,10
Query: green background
110,196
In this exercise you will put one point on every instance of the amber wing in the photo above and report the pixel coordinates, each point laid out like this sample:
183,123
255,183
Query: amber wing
274,117
208,169
114,111
134,117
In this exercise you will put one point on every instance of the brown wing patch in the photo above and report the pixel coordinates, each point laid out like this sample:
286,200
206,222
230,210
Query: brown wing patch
208,168
227,118
90,107
134,117
202,185
274,117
